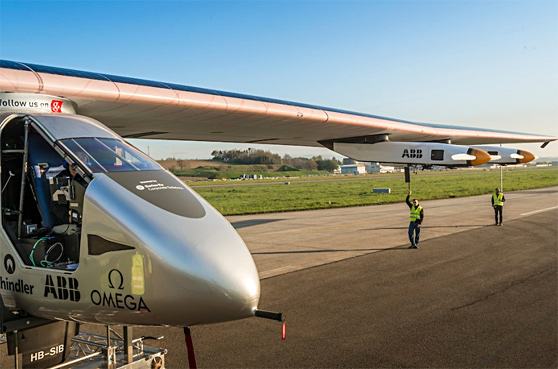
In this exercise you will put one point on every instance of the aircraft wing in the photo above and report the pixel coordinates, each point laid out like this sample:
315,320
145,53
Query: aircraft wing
137,108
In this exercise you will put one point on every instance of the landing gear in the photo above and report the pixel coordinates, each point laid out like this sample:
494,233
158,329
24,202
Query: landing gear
114,351
39,343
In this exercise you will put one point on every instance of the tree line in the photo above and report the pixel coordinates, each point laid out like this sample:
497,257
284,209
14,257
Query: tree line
287,162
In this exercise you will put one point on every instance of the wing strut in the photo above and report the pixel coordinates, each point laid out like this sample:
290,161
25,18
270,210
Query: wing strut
408,177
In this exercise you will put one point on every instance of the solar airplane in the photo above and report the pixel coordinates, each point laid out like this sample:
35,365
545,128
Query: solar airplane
95,231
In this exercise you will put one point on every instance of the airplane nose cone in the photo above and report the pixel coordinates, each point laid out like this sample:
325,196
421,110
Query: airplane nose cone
213,273
195,268
232,278
481,156
526,156
217,277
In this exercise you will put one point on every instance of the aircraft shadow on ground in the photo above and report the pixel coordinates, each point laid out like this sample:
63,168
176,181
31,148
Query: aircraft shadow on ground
328,250
429,227
252,222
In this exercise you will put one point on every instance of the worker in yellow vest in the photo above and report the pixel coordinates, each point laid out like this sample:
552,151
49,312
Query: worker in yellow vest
416,217
497,200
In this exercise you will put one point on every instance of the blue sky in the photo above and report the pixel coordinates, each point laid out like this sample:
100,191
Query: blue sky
478,63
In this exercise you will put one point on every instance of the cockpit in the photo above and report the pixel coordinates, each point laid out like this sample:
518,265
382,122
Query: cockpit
103,155
47,164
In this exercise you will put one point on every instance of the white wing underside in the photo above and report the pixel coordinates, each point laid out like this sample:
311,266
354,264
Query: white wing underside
145,109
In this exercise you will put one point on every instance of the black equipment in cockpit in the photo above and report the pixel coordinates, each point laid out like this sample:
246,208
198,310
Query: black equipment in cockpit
42,198
61,189
66,195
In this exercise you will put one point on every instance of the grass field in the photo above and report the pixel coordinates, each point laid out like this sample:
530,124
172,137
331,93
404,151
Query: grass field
305,193
210,169
235,171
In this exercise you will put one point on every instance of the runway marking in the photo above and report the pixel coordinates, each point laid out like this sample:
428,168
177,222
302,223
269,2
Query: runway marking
273,272
539,211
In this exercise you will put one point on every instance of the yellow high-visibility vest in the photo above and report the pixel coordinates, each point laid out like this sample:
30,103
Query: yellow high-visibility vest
498,199
415,213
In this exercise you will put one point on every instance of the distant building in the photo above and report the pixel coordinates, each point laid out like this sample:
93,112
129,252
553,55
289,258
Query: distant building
351,166
497,166
378,168
251,176
357,168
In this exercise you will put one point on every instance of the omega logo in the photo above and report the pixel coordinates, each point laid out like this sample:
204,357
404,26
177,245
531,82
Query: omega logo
117,300
115,276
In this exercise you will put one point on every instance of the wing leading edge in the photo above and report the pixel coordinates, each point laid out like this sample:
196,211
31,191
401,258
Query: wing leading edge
139,108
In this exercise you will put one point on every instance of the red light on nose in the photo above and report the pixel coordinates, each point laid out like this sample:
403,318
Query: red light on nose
284,331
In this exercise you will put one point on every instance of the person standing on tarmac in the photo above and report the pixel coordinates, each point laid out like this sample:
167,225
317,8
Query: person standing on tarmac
498,200
416,217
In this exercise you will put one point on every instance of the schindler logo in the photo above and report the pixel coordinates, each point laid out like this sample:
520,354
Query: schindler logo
66,288
9,264
412,153
18,286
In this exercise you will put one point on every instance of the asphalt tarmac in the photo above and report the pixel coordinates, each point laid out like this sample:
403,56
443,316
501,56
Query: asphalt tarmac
474,295
483,298
286,242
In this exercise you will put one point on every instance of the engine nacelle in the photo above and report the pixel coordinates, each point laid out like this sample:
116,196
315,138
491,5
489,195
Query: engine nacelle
507,155
423,153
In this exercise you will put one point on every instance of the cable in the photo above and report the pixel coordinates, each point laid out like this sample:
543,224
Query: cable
32,254
47,263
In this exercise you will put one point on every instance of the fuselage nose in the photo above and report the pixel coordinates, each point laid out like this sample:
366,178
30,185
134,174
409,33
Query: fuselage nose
197,269
219,276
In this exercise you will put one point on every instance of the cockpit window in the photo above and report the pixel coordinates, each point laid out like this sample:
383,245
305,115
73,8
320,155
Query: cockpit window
109,155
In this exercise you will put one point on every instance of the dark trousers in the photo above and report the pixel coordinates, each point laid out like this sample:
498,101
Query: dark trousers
414,233
498,210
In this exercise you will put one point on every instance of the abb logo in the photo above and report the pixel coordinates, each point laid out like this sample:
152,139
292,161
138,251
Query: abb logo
412,153
56,106
65,288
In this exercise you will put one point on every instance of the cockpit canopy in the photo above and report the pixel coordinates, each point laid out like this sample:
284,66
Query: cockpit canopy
102,155
61,126
48,162
93,146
